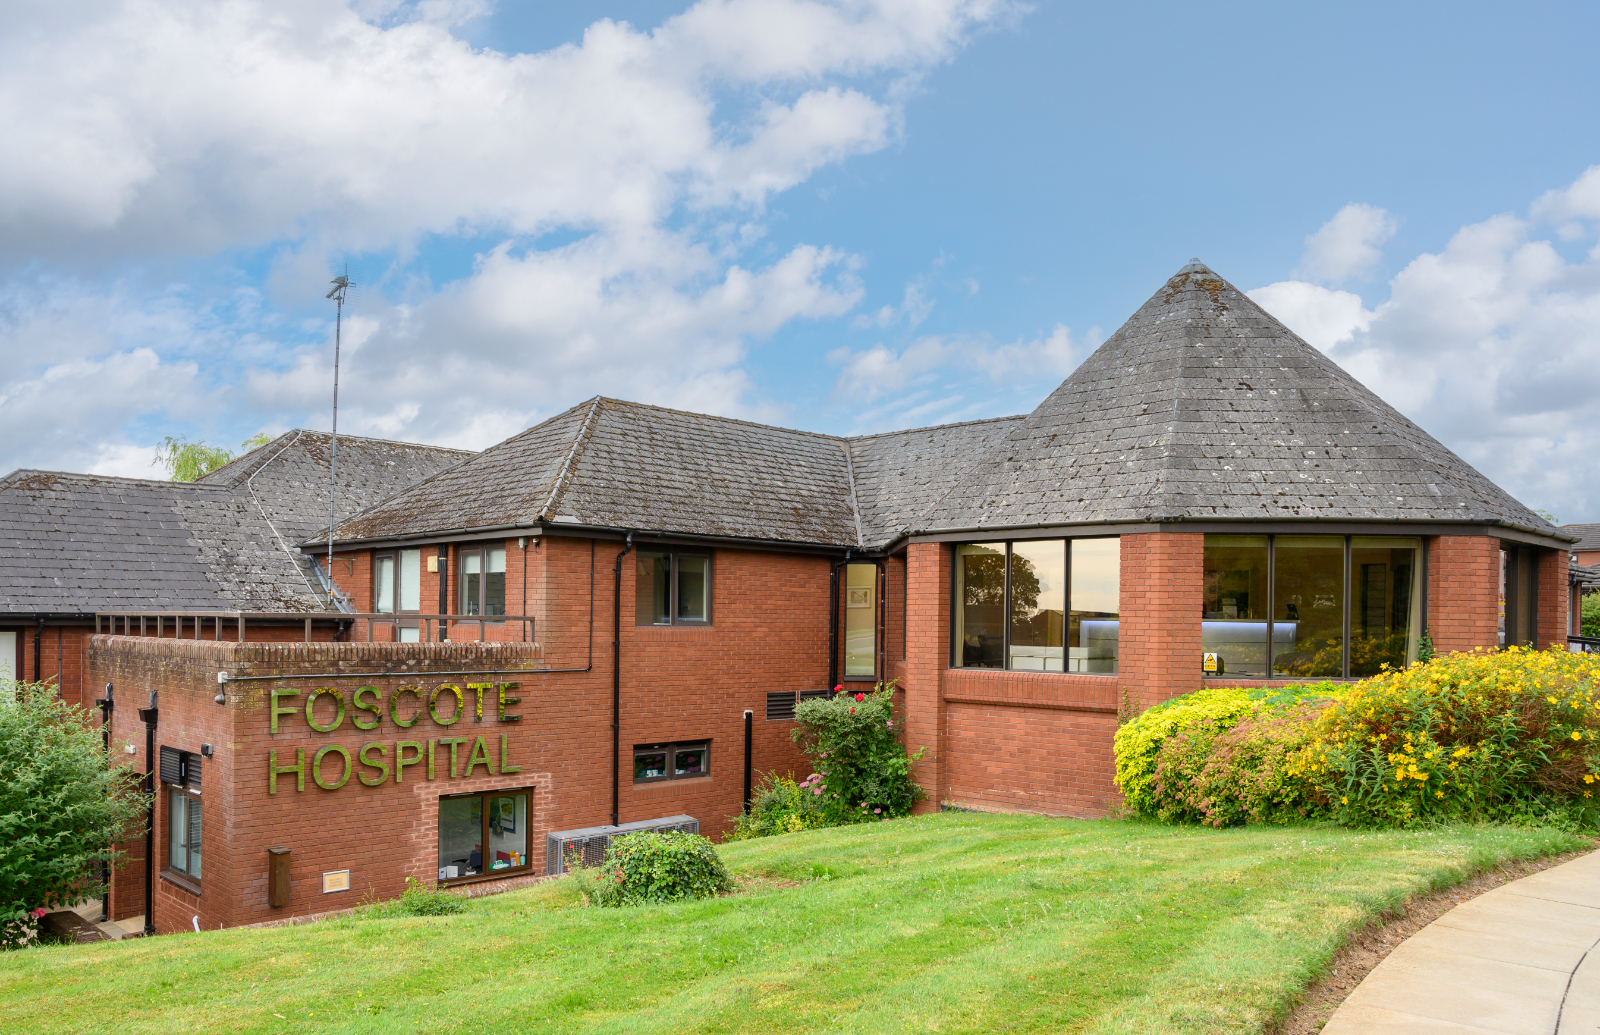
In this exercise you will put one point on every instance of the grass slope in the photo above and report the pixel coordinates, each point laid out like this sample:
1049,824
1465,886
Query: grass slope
948,923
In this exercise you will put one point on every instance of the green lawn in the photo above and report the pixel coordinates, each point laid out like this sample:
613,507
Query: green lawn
955,922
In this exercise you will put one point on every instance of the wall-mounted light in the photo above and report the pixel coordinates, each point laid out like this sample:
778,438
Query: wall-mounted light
205,750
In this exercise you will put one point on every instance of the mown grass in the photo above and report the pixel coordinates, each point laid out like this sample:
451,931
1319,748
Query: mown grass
950,923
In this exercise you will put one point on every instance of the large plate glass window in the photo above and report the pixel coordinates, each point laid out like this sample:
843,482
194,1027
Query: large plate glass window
672,588
1328,606
860,619
1038,605
483,834
483,581
1519,596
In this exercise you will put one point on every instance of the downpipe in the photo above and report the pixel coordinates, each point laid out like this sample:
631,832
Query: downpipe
616,682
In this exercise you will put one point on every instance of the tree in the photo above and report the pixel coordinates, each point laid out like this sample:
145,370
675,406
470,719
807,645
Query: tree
187,461
61,806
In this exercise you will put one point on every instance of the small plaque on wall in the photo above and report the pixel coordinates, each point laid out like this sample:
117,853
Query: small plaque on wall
338,880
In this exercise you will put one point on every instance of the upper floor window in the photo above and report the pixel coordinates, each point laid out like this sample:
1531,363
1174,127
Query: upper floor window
1309,605
483,581
1039,605
397,582
860,620
672,588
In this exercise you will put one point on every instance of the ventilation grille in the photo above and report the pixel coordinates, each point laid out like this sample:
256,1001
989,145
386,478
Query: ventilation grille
180,767
781,704
587,847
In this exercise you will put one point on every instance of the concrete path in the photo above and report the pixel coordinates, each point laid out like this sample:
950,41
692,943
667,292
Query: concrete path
1523,958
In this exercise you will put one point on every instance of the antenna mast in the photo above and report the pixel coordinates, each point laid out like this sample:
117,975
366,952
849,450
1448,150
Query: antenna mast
341,284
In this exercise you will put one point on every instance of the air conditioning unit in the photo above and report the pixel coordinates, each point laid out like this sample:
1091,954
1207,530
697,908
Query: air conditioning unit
588,846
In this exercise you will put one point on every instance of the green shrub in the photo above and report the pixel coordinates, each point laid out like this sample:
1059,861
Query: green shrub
778,805
1239,775
417,900
1589,615
657,866
854,745
1200,717
1486,735
61,806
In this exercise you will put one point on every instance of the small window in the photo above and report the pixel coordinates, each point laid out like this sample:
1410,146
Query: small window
672,588
397,582
860,620
483,835
655,762
183,833
483,581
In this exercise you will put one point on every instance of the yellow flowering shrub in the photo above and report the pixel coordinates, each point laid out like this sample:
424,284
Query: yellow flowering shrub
1196,719
1480,735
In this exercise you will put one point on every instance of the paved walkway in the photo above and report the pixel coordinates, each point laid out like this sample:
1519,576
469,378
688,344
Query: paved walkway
1523,958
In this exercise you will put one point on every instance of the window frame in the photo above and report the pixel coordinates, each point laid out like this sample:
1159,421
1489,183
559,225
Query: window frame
184,878
483,834
1418,600
672,748
673,555
482,552
1005,604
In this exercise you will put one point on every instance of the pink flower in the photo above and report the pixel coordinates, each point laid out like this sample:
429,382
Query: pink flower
37,913
860,698
876,812
891,724
816,790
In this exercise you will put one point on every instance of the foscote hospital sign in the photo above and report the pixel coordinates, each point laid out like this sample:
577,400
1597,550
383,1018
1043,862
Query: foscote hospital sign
376,762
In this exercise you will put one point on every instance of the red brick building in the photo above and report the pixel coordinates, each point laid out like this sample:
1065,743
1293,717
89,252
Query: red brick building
610,617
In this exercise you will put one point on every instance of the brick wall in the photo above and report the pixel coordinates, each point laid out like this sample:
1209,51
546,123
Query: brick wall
1159,639
1554,598
769,632
928,568
1463,592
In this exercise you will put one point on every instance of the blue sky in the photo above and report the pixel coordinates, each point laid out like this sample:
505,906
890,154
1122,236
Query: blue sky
845,217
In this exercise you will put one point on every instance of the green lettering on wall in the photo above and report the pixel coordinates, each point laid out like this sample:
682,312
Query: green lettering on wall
394,702
454,742
381,766
479,756
506,702
311,703
504,766
316,766
433,703
375,708
482,688
430,759
298,769
401,761
278,692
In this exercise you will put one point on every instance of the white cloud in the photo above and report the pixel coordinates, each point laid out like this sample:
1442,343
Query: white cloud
1348,245
1569,207
946,367
304,128
1492,345
913,308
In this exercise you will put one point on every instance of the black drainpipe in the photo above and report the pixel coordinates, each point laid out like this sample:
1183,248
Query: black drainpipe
38,637
749,723
105,706
444,591
616,682
148,717
833,621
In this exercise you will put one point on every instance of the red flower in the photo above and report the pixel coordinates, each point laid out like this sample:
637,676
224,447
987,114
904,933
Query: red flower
852,711
839,689
859,699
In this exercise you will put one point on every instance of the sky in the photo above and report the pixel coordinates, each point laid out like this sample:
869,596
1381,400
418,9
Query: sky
844,216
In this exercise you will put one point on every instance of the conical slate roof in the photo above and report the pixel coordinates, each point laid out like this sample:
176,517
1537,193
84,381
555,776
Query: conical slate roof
1203,406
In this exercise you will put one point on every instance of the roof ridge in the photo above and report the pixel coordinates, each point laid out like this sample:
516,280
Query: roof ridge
559,483
855,502
730,420
163,482
936,427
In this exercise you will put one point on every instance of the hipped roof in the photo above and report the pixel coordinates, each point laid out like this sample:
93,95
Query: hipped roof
1201,407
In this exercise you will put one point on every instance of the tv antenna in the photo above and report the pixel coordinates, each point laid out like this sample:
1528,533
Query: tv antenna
341,287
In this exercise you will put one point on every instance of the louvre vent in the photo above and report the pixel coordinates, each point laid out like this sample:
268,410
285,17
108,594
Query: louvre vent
587,847
812,695
180,767
780,704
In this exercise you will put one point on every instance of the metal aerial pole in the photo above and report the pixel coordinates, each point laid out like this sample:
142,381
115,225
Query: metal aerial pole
340,285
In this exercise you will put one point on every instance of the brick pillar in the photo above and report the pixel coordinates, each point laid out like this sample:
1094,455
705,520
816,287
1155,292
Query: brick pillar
1464,592
1554,599
1159,655
927,657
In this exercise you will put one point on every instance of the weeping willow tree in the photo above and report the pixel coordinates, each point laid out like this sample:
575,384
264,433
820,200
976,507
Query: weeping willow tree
187,461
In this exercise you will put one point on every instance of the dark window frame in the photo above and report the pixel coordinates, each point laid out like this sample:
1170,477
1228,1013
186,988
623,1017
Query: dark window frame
671,749
672,589
482,552
1513,558
184,878
955,655
483,835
